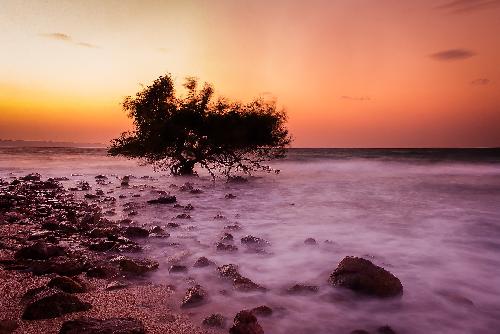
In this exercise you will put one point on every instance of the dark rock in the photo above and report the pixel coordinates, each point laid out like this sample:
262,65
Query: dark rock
203,262
31,177
163,200
66,284
229,196
52,304
299,289
8,326
135,266
136,232
176,268
310,242
240,282
385,330
108,326
156,229
189,207
215,320
102,245
364,277
225,247
262,311
245,322
183,216
233,227
237,179
173,225
195,296
39,251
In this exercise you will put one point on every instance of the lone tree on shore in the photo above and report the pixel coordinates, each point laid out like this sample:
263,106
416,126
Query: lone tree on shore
177,133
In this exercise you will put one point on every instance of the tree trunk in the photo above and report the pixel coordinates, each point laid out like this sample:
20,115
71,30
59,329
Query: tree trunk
184,167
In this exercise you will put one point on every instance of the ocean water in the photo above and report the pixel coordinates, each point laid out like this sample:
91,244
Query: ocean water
431,217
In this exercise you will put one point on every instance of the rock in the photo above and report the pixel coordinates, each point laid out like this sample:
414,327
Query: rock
183,216
173,225
52,304
163,200
31,177
214,320
39,251
176,268
102,245
226,237
364,277
359,331
228,271
136,232
203,262
301,289
229,196
385,330
240,282
8,326
135,266
310,242
115,285
66,284
250,240
59,265
262,311
102,271
156,229
108,326
236,179
225,247
246,323
195,296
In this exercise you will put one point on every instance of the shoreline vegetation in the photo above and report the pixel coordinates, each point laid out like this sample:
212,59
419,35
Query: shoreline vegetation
66,268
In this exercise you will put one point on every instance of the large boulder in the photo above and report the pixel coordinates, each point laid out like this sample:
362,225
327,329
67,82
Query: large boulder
362,276
245,322
52,304
108,326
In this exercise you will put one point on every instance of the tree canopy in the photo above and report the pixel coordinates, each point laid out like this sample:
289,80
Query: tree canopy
178,132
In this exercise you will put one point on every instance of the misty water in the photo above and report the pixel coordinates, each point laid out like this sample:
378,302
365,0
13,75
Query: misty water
430,218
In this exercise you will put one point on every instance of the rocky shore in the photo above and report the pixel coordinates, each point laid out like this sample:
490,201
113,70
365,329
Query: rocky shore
65,267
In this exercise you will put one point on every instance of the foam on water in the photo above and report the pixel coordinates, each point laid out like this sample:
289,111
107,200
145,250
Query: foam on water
435,225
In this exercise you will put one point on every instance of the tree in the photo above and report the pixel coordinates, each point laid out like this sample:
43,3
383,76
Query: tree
176,133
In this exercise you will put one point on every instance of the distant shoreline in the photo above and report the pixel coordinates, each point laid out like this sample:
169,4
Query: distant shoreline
52,144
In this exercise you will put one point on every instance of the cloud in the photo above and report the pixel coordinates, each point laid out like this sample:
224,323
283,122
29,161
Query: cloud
87,45
355,98
480,82
465,6
452,54
163,50
59,36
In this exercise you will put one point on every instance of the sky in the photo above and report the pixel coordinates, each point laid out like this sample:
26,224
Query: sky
349,73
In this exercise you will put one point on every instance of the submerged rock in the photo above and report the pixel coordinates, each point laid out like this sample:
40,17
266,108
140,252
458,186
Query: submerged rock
364,277
220,246
310,242
215,320
240,282
108,326
262,311
203,262
163,200
252,241
245,322
176,268
52,304
136,232
195,296
301,289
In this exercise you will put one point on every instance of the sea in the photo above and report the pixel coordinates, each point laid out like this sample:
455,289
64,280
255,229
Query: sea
429,216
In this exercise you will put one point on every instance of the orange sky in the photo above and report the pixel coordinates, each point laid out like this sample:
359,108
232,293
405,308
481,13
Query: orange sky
351,73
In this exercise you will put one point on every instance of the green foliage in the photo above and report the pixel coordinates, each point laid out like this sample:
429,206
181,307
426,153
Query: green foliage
177,133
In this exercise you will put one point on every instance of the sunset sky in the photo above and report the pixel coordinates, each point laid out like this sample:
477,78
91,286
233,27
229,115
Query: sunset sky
351,73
